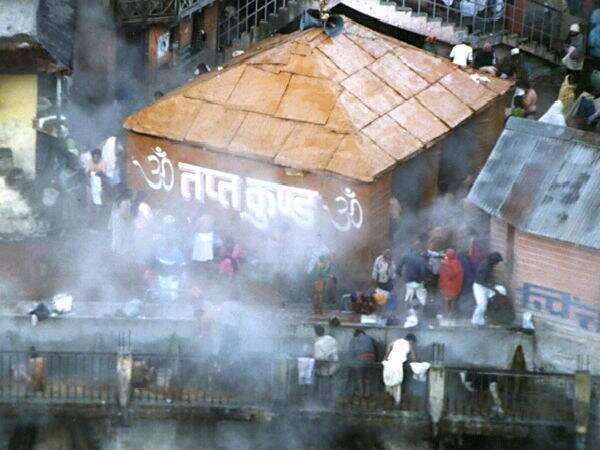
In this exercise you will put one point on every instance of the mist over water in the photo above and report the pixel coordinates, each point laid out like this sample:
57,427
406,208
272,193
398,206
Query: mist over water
230,435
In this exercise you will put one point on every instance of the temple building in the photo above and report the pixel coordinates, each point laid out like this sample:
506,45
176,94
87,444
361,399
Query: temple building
316,134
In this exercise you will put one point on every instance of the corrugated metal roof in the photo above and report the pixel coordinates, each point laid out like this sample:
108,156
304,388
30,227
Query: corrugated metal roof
545,180
56,29
47,23
373,101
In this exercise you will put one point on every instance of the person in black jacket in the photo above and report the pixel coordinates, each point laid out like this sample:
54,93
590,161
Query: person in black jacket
485,59
413,268
483,287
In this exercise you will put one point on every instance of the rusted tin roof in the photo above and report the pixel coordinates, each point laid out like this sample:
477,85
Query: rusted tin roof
545,180
354,105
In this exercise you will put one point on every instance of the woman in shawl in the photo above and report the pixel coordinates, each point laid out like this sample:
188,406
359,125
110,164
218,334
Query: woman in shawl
451,279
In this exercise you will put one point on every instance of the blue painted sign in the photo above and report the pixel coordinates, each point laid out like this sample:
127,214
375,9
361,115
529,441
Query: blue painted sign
561,304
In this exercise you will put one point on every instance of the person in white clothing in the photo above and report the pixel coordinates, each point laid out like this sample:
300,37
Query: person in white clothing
109,155
203,249
399,352
483,287
554,115
326,363
462,55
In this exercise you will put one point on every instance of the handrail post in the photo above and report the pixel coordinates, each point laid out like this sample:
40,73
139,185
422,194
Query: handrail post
124,377
436,389
581,406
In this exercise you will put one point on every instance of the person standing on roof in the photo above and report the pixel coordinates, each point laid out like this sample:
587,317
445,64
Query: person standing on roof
462,54
485,59
511,66
483,287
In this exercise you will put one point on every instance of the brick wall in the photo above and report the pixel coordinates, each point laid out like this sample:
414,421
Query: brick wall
549,263
558,265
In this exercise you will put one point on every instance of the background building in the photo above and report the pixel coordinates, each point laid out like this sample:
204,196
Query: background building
36,52
541,187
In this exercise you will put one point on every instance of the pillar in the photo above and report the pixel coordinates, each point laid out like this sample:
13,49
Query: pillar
581,407
211,28
124,374
281,380
437,390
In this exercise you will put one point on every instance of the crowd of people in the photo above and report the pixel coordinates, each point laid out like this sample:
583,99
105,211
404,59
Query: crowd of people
577,104
435,284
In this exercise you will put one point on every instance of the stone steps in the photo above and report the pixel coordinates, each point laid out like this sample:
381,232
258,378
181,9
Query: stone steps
265,28
391,13
404,17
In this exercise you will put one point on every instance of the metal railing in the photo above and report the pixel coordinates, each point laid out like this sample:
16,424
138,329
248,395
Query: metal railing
255,382
531,21
58,376
522,396
260,382
241,15
155,11
72,377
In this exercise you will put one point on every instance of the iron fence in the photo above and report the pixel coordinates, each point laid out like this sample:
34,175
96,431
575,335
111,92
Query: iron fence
201,380
241,15
58,376
530,22
522,396
155,11
345,386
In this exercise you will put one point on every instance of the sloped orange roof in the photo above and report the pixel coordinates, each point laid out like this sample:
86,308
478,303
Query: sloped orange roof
354,105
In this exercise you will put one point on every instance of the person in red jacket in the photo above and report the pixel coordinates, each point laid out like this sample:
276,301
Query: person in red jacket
450,279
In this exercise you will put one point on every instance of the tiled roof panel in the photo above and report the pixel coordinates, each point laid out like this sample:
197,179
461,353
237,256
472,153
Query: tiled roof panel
418,121
372,91
215,125
444,105
308,99
392,138
259,91
398,75
345,54
261,136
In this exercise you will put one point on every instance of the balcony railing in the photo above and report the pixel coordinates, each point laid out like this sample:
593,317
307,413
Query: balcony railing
155,11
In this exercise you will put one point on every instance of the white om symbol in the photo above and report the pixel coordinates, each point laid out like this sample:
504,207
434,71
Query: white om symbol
164,176
349,210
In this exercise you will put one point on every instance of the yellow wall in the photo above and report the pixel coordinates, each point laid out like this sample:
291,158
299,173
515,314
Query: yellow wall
18,107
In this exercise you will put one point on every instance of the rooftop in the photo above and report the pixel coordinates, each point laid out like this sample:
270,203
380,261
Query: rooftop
354,105
49,24
545,180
